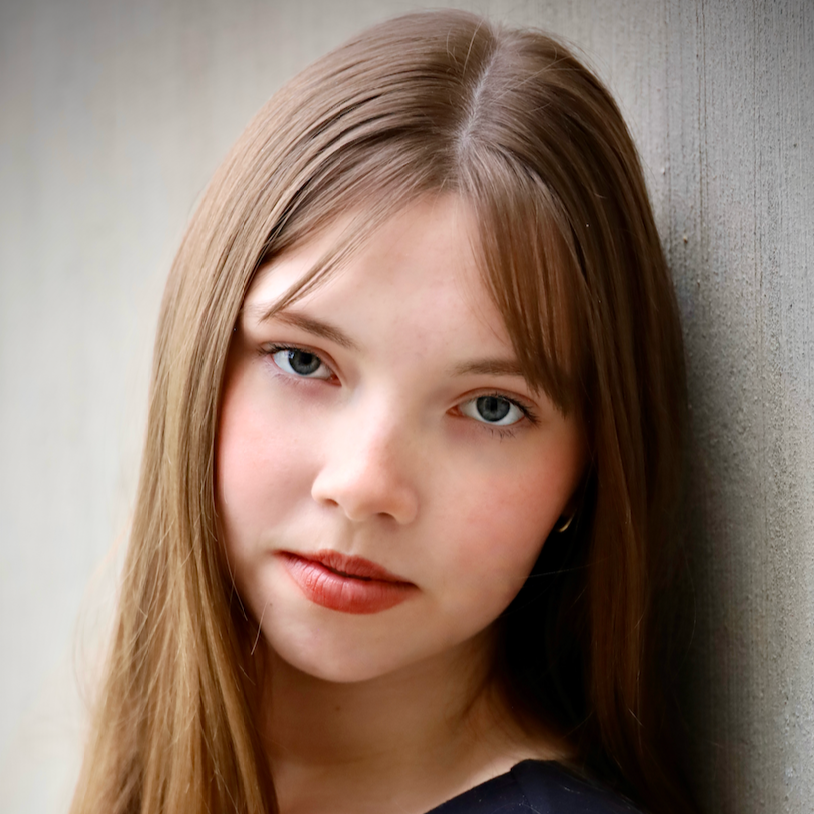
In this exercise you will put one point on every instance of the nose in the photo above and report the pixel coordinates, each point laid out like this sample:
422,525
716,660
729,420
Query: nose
368,469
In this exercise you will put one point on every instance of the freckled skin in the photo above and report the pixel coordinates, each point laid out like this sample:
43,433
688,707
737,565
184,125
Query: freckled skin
378,460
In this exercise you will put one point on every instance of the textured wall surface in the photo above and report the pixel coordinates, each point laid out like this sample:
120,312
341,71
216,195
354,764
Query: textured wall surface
113,114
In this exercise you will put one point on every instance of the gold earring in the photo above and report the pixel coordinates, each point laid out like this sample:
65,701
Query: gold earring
564,526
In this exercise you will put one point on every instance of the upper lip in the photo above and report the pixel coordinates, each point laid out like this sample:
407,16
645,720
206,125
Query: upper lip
356,567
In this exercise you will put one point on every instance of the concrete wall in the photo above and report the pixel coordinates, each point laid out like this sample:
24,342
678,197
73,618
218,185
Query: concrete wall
113,114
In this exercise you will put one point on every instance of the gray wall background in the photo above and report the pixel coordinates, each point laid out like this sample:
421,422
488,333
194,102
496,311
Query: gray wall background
113,115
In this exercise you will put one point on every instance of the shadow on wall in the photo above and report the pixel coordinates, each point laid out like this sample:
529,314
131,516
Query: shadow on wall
741,122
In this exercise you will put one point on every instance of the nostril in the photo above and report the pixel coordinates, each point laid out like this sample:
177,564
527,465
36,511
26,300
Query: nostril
365,497
367,473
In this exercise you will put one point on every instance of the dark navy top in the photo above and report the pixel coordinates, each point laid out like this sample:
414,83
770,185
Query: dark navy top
536,787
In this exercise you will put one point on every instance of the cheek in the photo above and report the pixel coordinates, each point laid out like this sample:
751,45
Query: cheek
502,529
260,467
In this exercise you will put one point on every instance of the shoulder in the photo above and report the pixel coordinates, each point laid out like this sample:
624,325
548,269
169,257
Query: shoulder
537,787
550,787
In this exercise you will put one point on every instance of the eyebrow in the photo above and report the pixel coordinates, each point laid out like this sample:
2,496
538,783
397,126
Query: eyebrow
316,327
489,367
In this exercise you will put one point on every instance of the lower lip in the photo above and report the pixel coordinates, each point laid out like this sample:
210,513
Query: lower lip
345,593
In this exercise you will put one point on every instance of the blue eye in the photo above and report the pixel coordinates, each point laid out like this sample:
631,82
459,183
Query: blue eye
301,363
495,410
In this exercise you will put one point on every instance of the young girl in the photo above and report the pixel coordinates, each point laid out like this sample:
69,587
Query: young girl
413,455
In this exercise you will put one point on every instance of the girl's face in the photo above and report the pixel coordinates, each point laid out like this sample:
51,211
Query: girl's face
385,475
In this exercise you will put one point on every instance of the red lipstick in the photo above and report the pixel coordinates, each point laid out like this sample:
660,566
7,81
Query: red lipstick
346,584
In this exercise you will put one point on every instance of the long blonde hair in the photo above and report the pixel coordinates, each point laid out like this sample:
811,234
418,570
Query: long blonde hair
513,123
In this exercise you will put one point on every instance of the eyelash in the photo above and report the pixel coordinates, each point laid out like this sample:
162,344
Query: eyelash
497,431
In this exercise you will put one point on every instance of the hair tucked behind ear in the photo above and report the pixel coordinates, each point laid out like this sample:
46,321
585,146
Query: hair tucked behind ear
513,123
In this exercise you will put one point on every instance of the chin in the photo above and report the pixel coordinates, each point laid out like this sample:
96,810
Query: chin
338,665
328,651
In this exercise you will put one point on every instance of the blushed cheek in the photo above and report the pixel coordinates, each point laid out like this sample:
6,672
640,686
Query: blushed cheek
491,567
257,471
506,530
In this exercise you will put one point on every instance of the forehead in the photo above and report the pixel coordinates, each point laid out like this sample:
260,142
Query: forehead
421,267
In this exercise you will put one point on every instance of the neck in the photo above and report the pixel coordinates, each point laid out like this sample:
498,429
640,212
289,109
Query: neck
419,735
313,721
402,742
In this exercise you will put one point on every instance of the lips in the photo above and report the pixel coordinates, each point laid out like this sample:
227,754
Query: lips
346,584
